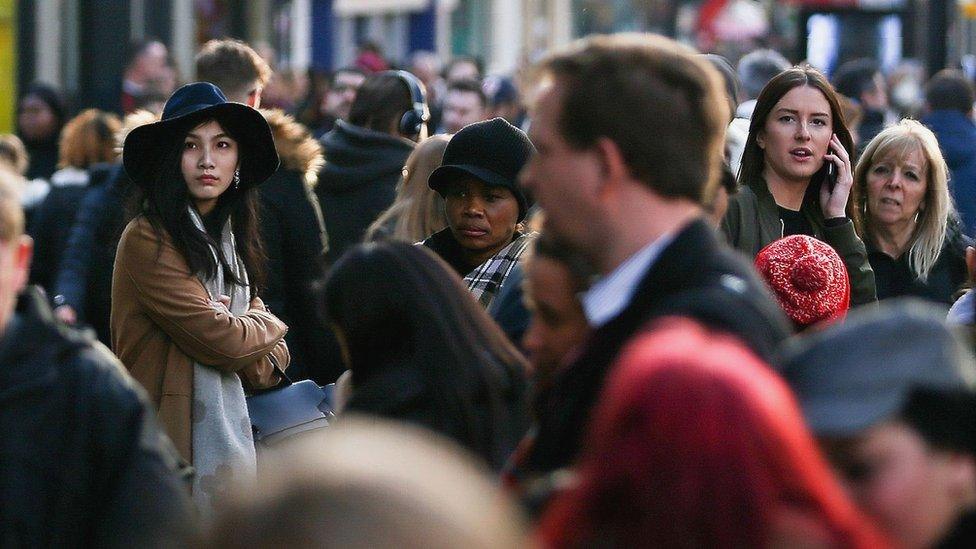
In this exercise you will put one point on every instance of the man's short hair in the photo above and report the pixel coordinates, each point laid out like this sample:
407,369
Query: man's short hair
232,66
855,77
11,212
758,67
949,90
468,85
662,104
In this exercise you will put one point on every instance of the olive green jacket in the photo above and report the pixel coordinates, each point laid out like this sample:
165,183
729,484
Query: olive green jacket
752,221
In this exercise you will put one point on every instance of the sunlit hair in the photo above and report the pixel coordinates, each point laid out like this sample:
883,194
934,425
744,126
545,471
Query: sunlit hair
418,211
13,153
89,138
753,157
898,141
136,118
695,442
11,213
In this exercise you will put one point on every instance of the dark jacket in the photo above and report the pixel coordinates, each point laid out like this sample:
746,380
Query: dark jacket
43,157
295,241
696,277
956,133
84,279
752,221
895,278
52,222
84,462
358,182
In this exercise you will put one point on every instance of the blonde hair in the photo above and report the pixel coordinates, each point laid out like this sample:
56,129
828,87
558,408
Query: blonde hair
929,235
417,212
13,153
88,138
11,212
136,118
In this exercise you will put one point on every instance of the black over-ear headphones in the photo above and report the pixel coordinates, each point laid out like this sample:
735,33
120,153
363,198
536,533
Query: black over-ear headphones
413,120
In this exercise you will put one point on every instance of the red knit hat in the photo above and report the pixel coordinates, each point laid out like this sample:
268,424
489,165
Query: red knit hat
808,277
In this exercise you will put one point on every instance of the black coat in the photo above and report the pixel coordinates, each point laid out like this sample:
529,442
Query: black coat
294,239
84,278
84,462
358,182
894,277
696,277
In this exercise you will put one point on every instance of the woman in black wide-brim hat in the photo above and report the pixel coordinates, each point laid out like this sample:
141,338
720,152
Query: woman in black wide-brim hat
186,318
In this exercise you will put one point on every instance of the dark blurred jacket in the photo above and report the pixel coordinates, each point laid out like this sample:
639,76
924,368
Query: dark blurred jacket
296,242
84,462
84,279
362,168
956,133
52,221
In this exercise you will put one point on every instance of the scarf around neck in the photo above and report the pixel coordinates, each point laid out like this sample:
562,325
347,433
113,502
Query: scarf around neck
223,443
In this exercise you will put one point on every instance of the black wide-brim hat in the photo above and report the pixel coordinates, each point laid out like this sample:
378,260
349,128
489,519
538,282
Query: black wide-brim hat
147,146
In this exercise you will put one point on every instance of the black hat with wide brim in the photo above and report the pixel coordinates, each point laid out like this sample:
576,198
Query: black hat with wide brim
147,146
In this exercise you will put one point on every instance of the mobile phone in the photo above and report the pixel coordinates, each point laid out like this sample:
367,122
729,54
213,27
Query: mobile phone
831,175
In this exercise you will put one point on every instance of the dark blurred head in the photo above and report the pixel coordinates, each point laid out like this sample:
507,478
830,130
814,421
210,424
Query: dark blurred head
861,81
380,103
759,67
41,114
344,85
147,59
728,76
696,442
949,90
463,67
415,339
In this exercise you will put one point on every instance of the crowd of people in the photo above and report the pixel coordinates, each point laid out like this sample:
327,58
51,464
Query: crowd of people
670,301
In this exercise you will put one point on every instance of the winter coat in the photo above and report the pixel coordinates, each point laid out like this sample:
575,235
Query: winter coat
895,278
295,241
43,157
695,276
84,279
163,321
358,182
752,221
52,221
956,133
84,461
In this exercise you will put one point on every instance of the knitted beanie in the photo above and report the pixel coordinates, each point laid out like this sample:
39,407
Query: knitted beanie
808,278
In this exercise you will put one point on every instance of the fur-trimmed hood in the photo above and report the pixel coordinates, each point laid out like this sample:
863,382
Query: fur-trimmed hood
297,149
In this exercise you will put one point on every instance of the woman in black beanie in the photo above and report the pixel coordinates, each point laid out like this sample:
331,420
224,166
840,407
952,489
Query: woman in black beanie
40,117
484,204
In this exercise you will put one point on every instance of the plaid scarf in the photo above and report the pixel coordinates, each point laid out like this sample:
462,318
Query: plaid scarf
487,279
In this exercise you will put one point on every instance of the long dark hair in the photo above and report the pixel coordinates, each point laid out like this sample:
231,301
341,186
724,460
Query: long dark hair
753,158
421,349
164,202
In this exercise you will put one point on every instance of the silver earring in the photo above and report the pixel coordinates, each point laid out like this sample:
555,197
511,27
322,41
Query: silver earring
237,178
916,215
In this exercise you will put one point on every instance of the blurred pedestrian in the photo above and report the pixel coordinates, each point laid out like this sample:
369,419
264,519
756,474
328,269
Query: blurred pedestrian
338,100
797,134
755,70
422,351
504,100
903,210
292,228
87,139
40,117
697,443
147,65
84,462
417,211
949,98
464,103
890,396
861,81
631,203
186,318
366,154
365,484
484,204
463,67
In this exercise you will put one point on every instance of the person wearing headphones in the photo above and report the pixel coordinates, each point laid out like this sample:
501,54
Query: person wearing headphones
365,155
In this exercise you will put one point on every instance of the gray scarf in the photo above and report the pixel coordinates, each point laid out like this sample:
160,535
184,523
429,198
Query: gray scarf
223,444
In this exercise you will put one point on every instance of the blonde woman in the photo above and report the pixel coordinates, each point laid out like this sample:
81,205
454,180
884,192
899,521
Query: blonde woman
905,214
418,211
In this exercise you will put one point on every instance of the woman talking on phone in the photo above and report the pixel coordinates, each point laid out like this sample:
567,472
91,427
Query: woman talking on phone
796,175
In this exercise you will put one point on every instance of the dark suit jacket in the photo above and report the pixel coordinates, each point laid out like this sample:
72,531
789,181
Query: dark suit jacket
696,277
